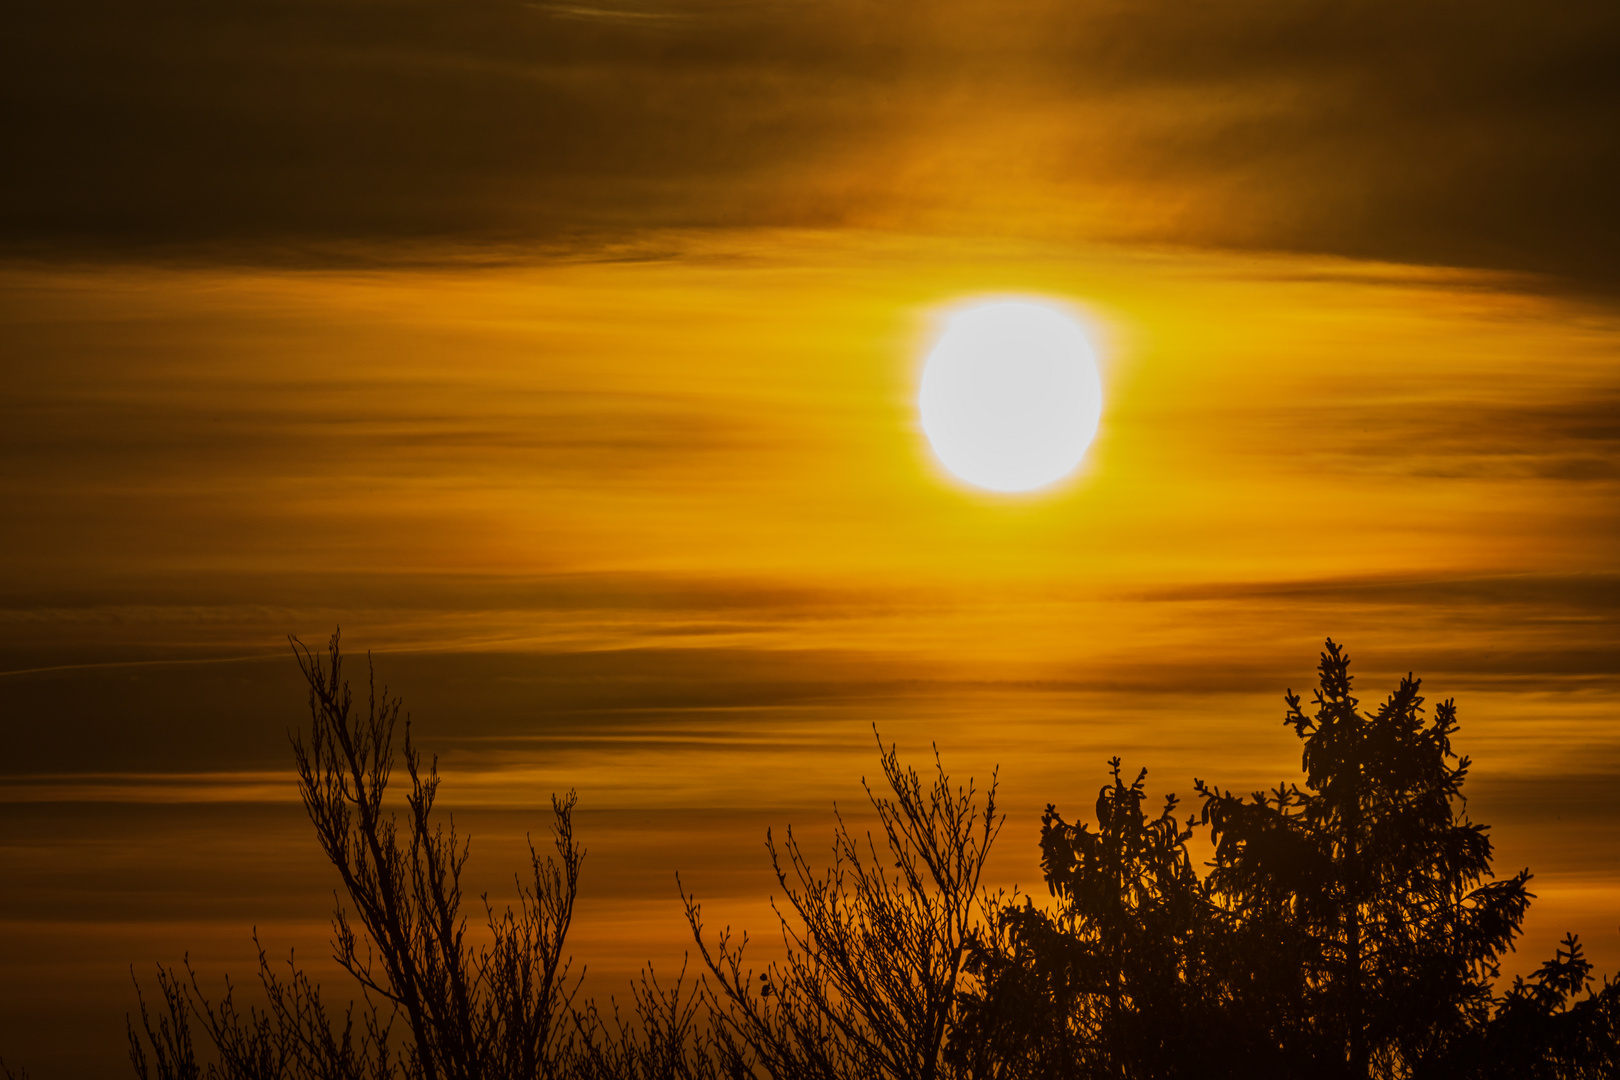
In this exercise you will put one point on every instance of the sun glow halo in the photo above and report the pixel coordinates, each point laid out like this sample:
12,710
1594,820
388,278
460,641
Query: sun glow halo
1010,396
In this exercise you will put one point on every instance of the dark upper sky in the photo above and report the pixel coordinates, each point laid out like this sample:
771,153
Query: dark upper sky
1480,133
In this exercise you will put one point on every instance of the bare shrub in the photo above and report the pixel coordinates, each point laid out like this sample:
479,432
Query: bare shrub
877,944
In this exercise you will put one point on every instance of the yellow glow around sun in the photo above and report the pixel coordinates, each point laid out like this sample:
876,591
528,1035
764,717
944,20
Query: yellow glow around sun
1010,395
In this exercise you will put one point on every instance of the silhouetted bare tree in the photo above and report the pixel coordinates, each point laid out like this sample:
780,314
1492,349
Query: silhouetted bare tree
471,1014
497,1011
669,1035
877,943
292,1037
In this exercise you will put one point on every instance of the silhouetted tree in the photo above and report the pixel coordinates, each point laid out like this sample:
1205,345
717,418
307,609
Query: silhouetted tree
1376,869
470,1013
1125,976
877,945
1543,1030
1348,928
668,1035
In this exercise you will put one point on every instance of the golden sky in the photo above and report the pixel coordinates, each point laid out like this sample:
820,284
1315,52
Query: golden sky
567,357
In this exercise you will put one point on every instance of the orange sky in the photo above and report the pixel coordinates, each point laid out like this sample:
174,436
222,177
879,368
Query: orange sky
565,353
662,527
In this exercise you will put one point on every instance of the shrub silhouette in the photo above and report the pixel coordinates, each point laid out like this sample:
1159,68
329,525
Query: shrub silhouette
1347,928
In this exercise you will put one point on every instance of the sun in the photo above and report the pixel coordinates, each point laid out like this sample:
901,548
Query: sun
1010,395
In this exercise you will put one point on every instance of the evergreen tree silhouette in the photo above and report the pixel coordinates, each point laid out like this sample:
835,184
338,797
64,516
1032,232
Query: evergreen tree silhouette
1122,977
1350,928
1376,874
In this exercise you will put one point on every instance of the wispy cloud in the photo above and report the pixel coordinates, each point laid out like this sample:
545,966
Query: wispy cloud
1471,134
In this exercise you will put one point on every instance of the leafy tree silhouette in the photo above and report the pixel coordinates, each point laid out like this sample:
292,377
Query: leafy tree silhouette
1350,928
1543,1030
1118,958
1377,872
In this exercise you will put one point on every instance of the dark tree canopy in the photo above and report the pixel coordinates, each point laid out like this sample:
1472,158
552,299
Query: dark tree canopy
1350,927
1377,873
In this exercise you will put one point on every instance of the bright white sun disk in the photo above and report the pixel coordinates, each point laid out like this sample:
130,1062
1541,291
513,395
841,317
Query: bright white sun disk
1010,396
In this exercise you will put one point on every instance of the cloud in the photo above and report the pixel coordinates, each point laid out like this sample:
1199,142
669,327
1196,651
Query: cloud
1474,134
1565,433
1573,594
